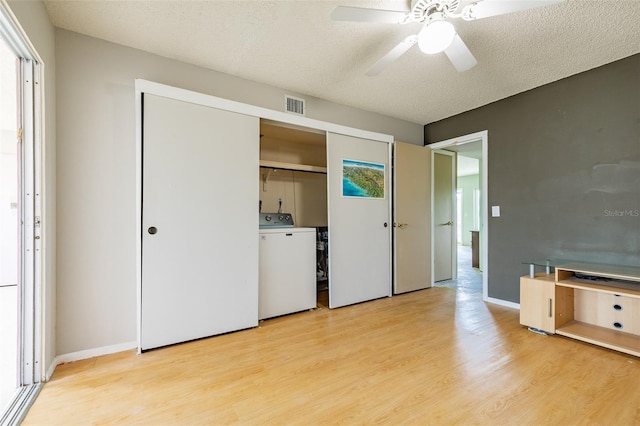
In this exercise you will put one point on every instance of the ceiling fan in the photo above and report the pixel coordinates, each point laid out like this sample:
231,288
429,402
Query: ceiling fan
437,34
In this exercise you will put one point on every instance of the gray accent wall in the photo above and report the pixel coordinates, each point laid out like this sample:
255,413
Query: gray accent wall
564,167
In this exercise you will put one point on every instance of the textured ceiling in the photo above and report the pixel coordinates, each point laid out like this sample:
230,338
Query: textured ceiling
295,46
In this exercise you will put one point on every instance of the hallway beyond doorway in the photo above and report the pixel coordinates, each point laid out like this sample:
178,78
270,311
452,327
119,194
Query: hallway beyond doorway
469,279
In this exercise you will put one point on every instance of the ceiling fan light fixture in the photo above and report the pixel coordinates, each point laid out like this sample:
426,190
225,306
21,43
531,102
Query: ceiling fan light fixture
436,36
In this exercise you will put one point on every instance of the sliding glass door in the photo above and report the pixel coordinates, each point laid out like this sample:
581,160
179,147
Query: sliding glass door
20,222
9,242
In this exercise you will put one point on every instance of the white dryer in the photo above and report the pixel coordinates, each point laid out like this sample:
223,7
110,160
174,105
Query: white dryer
287,265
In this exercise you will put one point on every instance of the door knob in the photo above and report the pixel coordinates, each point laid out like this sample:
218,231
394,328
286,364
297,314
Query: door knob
448,223
152,230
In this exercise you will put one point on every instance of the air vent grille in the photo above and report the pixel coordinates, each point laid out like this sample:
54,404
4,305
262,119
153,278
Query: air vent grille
294,105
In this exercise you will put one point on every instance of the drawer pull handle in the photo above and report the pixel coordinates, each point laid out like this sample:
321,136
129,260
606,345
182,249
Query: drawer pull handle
617,307
617,325
550,307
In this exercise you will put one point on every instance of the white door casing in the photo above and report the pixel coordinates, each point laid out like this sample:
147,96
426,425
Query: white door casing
359,228
483,138
200,269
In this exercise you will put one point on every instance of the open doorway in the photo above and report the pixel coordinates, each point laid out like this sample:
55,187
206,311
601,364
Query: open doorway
464,184
468,274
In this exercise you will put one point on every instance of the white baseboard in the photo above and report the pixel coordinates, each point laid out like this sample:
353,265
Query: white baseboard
90,353
51,369
503,303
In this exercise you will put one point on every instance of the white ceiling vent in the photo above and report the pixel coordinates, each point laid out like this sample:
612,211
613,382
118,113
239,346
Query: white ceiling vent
294,105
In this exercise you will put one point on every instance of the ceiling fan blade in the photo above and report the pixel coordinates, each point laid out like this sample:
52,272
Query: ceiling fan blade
460,55
359,14
393,54
487,8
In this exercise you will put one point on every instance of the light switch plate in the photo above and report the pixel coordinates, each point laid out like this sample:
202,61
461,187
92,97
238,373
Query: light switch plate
495,211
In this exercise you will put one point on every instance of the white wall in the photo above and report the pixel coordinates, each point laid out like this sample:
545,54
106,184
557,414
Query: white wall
33,18
96,174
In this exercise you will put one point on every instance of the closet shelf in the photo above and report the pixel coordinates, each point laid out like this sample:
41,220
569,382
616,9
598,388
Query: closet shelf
292,166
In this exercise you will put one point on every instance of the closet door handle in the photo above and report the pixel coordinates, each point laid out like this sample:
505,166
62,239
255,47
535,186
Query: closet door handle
550,307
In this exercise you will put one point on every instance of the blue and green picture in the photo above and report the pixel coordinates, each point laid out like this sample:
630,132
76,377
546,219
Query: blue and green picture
362,179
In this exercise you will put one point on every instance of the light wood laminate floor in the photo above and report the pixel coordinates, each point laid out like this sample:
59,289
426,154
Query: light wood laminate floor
435,356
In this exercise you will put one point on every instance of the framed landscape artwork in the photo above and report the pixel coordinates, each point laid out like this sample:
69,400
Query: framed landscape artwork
362,179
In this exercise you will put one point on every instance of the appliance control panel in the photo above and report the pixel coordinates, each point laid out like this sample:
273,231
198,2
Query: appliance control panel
276,220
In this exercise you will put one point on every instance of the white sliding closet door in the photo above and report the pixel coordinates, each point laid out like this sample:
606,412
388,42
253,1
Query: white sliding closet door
199,221
359,225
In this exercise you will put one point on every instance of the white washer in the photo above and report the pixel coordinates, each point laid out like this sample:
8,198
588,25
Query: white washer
287,280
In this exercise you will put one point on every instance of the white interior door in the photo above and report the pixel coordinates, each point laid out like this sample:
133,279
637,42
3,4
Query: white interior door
444,211
412,226
359,195
199,221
